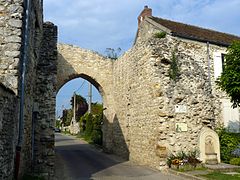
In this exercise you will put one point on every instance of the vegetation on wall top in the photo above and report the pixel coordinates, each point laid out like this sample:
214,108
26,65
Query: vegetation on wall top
113,53
160,34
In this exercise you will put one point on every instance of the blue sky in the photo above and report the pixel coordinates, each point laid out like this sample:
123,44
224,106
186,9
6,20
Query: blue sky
101,24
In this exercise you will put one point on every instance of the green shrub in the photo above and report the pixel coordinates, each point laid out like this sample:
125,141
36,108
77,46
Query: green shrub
229,80
228,143
89,125
235,161
97,137
159,35
92,129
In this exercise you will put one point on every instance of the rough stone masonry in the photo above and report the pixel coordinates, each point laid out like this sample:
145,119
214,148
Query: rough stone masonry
148,114
22,38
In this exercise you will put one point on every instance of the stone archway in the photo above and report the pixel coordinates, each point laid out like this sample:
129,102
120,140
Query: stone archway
75,62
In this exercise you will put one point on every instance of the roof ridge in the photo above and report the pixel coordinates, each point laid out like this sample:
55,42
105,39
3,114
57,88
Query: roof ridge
196,33
196,26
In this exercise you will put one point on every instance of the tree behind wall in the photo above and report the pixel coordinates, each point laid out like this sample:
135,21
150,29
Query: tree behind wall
67,117
91,124
229,81
81,106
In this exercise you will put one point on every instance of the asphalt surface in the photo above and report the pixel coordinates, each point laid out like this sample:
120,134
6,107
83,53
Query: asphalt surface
77,160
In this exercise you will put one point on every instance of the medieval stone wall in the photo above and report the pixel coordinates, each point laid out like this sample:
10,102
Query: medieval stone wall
10,44
45,99
133,94
8,131
32,56
158,114
12,23
11,16
197,51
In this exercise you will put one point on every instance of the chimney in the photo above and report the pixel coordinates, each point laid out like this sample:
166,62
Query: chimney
146,12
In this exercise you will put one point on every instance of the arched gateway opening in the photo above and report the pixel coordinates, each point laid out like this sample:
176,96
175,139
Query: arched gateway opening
73,109
74,62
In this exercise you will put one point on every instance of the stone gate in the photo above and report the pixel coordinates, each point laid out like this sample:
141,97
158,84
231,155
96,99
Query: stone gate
152,108
74,62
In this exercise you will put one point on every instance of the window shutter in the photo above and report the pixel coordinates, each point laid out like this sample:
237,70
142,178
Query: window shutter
217,61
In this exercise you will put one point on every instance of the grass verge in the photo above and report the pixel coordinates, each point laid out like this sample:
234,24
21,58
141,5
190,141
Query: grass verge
221,176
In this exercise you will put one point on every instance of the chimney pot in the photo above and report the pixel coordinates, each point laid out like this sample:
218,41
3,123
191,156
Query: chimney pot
146,12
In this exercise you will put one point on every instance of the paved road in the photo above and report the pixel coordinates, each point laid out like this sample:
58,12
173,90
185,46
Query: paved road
77,160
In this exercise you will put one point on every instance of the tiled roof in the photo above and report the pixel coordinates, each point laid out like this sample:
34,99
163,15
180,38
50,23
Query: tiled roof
196,33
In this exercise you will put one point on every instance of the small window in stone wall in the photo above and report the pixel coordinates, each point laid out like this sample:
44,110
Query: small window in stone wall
218,61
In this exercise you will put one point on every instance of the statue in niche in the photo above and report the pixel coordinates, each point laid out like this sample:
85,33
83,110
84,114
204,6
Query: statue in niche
209,145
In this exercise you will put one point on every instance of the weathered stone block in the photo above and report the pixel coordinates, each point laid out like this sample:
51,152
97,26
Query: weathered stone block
12,53
15,23
13,39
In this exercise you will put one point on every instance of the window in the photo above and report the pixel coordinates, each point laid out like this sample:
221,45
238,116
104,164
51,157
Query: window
223,60
218,60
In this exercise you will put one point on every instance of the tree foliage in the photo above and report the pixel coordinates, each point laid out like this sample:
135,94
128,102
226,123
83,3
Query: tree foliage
97,108
81,106
229,81
228,143
91,124
67,117
58,123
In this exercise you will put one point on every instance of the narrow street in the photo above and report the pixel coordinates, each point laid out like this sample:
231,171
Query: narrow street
77,160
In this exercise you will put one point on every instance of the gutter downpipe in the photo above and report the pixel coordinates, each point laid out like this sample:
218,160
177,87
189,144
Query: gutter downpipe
25,39
209,69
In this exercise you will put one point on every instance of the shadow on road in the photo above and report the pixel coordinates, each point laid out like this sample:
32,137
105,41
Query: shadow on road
79,160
